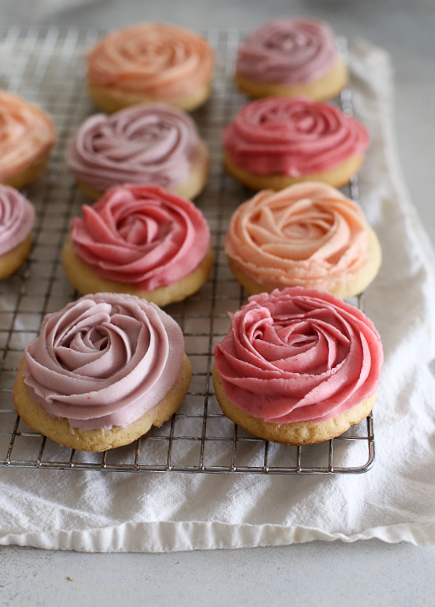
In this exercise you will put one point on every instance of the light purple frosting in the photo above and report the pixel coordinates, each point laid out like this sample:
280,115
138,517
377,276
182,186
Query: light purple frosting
143,144
104,360
16,218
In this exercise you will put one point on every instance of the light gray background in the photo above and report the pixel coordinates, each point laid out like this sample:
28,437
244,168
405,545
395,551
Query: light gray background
325,573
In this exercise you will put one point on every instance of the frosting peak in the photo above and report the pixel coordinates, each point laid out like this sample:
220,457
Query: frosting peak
299,355
150,143
16,218
104,360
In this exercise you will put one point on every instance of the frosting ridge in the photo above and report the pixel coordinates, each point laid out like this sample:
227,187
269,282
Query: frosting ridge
141,234
104,360
299,355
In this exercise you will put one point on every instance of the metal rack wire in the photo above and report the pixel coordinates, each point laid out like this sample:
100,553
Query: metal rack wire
47,68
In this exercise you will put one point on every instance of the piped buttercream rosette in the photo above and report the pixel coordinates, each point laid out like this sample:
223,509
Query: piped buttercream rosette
17,215
148,143
142,240
275,142
308,235
298,366
97,368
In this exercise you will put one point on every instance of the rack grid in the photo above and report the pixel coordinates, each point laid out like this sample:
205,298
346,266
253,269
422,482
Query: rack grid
47,67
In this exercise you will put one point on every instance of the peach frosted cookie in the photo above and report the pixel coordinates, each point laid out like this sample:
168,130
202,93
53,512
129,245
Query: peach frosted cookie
147,143
101,372
141,240
308,235
150,62
291,57
26,137
298,366
278,141
17,215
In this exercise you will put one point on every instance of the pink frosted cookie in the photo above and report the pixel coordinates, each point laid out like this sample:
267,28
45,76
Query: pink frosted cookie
26,138
307,235
150,62
16,222
141,240
148,143
298,366
275,142
101,372
291,57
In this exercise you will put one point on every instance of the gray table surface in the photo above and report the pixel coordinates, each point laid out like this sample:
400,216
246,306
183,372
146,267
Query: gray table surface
328,573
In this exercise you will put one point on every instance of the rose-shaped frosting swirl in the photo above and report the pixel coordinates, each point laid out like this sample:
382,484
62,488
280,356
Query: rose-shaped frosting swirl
307,235
141,144
104,360
26,135
142,235
287,51
293,137
299,355
16,218
151,58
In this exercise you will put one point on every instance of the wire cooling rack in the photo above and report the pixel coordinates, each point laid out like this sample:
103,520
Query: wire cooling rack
47,68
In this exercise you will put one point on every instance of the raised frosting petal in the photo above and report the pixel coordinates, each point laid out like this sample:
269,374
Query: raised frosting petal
16,218
143,235
104,360
293,137
26,135
151,143
152,58
299,355
308,235
287,51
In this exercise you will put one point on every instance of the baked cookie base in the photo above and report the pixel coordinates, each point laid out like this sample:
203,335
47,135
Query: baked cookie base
12,260
112,99
337,176
59,430
294,433
349,287
326,87
194,184
86,280
28,175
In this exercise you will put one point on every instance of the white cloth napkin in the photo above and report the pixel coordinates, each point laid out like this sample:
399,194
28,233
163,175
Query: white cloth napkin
394,501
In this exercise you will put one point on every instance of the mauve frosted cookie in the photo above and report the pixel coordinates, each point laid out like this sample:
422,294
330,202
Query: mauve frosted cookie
17,215
275,142
150,62
148,143
291,57
27,136
298,366
308,235
101,372
141,240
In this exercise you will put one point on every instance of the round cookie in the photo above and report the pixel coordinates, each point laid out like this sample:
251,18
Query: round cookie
298,366
101,372
17,215
27,136
150,62
141,240
307,235
275,142
291,57
147,143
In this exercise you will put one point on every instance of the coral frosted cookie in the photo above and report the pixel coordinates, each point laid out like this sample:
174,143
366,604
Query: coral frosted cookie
150,62
16,221
298,366
291,57
275,142
152,143
101,372
26,137
141,240
307,235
